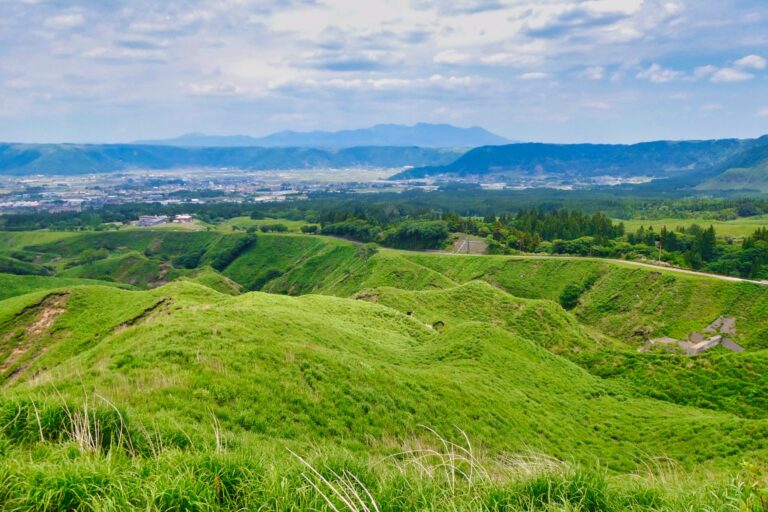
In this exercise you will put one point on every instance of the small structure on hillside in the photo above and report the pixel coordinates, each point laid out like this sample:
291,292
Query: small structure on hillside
183,219
698,342
151,220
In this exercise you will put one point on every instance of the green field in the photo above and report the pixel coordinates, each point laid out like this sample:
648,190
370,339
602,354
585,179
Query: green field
741,227
413,381
243,223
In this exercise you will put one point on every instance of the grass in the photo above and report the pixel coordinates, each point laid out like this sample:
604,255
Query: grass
398,380
63,479
739,228
13,285
625,302
243,223
172,356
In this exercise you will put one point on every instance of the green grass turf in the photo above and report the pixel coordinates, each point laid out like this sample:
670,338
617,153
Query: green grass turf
741,227
214,387
12,285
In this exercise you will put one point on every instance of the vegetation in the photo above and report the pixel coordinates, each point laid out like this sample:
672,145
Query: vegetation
406,379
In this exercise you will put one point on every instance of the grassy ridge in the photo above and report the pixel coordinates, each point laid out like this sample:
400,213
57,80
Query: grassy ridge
273,366
741,227
13,285
212,387
629,303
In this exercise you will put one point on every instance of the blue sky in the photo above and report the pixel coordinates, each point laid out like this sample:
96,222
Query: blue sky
546,70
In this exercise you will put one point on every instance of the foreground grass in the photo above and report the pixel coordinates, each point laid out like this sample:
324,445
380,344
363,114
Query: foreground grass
441,476
182,398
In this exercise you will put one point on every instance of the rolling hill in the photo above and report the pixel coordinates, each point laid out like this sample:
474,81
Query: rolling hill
407,379
749,171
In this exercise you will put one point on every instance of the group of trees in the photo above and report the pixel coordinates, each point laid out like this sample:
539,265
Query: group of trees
508,220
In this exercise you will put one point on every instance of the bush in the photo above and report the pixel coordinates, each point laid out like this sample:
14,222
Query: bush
417,235
310,229
357,229
275,228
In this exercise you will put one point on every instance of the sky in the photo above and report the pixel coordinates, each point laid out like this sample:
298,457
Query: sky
545,70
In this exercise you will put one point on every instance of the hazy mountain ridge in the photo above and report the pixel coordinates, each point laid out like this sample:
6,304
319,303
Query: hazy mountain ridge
71,159
747,171
659,159
421,134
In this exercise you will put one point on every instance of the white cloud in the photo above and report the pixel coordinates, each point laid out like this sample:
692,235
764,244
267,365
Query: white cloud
125,54
660,75
594,73
534,75
450,57
751,62
704,71
762,113
731,75
65,21
512,59
432,82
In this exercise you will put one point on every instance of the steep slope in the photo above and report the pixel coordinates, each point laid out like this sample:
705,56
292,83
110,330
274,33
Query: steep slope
746,171
14,285
626,302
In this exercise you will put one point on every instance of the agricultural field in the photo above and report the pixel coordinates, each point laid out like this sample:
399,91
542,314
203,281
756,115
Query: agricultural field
164,370
244,223
737,228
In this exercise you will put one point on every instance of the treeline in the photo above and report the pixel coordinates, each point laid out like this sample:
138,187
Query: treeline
573,233
554,222
388,207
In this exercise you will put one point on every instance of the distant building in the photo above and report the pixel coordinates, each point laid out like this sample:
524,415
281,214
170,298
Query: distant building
151,220
183,219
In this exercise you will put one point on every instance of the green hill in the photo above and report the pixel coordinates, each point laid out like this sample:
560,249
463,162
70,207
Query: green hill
13,285
749,178
188,395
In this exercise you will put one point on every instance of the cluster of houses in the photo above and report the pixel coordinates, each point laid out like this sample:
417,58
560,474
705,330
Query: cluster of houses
147,221
715,334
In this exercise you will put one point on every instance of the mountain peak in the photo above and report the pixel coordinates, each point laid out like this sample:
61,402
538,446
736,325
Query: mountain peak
420,134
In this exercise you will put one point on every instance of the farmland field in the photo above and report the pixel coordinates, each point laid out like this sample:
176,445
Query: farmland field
741,227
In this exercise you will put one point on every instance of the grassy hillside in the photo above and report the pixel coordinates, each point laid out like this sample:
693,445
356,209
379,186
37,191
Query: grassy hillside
212,390
750,178
13,285
741,227
541,321
188,395
274,366
626,302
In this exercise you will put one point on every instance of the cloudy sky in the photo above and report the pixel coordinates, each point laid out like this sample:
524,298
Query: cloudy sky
544,70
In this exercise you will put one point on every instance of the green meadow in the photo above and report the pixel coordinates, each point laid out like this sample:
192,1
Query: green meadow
164,370
741,227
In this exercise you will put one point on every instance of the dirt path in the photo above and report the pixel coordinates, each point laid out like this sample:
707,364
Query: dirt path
645,265
660,268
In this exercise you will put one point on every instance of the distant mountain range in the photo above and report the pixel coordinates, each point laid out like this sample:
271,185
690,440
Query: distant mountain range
726,164
713,165
421,135
72,159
